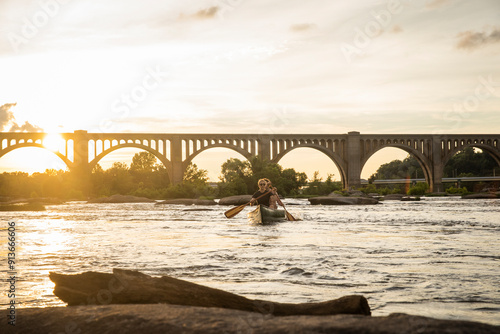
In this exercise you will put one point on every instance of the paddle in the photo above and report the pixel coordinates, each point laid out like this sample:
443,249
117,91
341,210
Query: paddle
289,215
234,211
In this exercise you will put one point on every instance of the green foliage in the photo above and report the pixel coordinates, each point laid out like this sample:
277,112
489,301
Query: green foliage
52,183
143,162
145,178
457,191
470,163
194,185
397,169
240,177
317,187
419,189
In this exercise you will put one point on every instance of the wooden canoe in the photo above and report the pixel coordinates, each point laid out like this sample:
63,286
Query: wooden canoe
264,215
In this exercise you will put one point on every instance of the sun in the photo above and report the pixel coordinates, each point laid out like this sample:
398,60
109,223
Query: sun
54,142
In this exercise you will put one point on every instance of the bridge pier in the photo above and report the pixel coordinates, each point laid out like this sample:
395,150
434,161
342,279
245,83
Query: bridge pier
264,151
436,184
176,160
81,167
353,160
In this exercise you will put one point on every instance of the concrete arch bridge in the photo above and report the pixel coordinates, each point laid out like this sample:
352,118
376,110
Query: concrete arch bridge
82,150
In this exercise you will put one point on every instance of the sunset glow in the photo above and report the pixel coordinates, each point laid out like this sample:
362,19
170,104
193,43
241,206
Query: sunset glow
251,67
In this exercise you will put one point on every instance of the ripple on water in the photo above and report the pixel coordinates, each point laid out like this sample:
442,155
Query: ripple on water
437,258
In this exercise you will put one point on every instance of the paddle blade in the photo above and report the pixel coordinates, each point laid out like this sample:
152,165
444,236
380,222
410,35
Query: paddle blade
234,211
289,216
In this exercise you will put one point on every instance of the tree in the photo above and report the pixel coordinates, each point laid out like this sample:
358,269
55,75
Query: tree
144,162
317,187
119,178
195,175
397,169
236,176
194,184
239,178
470,162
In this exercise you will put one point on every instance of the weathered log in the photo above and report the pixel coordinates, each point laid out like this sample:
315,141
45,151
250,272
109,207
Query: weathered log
132,287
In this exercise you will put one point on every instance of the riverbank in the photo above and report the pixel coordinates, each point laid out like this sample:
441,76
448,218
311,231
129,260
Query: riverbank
163,318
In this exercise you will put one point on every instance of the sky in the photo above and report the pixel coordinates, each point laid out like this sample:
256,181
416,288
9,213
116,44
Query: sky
250,66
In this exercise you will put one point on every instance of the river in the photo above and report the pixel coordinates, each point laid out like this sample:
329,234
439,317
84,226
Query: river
439,257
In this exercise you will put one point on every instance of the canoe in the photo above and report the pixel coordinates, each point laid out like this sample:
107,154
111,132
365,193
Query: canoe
263,215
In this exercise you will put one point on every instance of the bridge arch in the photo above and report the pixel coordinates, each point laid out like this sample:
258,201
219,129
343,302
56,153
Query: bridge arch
423,161
487,147
235,148
334,157
111,149
18,145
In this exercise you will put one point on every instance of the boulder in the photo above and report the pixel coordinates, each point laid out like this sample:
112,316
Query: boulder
121,199
334,194
327,200
22,207
188,201
174,319
132,287
410,199
480,196
393,197
235,200
36,200
437,194
356,193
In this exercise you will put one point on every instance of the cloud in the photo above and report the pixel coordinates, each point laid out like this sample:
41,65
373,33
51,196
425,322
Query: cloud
203,14
28,127
302,27
396,29
472,40
7,117
436,4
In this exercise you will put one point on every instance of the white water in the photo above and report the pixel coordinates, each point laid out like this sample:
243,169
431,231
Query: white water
439,257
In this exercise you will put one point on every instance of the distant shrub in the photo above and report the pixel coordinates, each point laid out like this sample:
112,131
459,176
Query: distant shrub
457,191
418,189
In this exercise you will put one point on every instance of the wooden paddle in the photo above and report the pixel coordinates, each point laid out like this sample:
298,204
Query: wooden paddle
289,215
234,211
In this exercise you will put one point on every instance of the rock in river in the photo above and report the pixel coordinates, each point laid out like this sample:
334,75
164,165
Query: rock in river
235,200
327,200
188,201
121,199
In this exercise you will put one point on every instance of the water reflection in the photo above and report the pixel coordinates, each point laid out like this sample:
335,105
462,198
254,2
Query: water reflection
403,257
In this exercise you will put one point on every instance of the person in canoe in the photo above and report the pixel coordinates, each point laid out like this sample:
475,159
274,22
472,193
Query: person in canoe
263,195
274,200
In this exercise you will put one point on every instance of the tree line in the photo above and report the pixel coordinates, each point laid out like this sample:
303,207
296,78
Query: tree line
467,163
146,177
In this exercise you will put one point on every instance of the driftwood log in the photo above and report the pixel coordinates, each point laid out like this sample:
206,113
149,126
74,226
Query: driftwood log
132,287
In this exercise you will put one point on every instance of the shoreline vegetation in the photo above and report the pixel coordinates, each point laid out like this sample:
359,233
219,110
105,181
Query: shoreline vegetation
147,179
